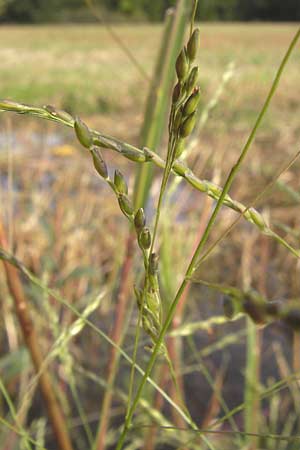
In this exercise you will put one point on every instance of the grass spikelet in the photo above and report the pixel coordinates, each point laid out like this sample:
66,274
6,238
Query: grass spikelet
83,133
120,182
193,45
99,163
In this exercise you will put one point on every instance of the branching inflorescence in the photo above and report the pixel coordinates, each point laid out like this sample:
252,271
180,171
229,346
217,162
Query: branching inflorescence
146,155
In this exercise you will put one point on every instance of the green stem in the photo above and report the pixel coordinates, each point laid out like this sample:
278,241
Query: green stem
203,240
252,397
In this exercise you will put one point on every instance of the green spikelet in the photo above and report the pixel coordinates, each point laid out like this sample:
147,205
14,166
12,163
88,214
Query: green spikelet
99,163
177,120
153,264
125,205
139,219
187,126
193,45
191,104
192,79
83,133
120,182
182,65
179,147
145,238
176,92
64,115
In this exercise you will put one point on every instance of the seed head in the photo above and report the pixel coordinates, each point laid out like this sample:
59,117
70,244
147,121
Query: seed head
176,92
188,126
154,306
139,296
179,147
64,115
133,155
150,327
177,120
120,182
153,263
99,163
192,102
193,78
125,205
182,66
145,238
83,133
139,219
193,45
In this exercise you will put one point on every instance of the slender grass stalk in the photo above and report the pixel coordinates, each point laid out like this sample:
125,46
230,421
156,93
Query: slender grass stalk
151,288
210,381
155,119
81,412
272,390
20,433
278,437
153,411
13,261
296,351
204,238
57,349
257,198
54,410
14,415
275,388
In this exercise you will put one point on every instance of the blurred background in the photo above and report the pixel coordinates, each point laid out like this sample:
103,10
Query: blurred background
102,61
35,11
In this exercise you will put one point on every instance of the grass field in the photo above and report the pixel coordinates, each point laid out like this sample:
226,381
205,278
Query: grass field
65,225
81,67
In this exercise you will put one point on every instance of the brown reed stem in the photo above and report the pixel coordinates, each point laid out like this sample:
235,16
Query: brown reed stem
55,413
116,336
